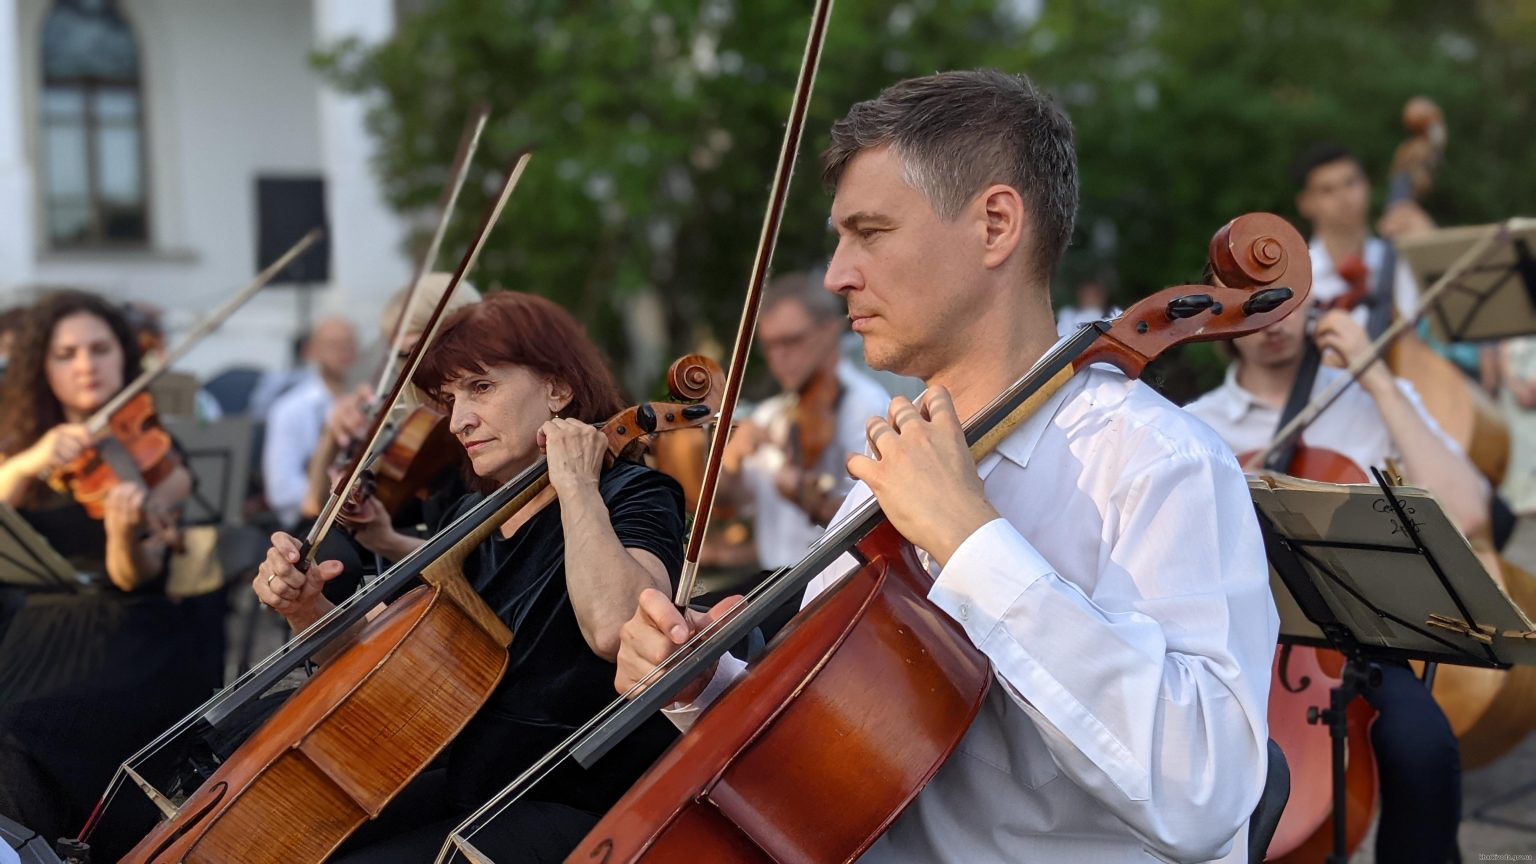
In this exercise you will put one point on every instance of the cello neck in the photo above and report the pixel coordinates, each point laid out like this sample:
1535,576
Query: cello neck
982,432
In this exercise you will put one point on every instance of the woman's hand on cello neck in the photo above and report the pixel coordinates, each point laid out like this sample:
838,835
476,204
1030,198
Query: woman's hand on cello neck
295,594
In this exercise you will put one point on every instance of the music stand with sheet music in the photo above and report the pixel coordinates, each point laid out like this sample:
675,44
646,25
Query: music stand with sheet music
1495,298
1379,573
218,454
26,559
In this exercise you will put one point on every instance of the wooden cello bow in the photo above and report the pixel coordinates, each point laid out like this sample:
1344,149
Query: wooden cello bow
757,778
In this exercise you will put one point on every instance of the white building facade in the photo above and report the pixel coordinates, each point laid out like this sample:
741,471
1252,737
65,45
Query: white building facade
130,165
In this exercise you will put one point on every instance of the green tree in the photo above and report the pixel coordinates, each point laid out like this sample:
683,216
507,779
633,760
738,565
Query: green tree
658,124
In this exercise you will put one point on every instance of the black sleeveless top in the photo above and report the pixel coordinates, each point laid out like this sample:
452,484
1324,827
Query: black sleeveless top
554,683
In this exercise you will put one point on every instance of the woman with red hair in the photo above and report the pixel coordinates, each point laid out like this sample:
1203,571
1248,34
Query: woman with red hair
517,374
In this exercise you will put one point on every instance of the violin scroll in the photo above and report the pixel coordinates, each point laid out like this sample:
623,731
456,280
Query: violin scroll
1262,272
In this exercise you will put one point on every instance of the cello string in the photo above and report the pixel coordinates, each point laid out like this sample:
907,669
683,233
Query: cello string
709,637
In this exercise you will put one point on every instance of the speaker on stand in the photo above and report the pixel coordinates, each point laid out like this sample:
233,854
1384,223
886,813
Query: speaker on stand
287,208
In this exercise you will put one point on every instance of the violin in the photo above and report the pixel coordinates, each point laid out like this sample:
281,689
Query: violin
813,418
130,444
134,448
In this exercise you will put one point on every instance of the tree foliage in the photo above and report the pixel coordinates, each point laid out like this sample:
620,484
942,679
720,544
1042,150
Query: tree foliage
657,125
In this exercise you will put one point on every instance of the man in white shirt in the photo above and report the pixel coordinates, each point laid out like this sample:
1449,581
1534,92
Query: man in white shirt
1378,419
297,419
1333,195
1105,558
798,334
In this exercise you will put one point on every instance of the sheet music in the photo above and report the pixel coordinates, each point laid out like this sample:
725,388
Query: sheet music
1403,585
1491,301
26,559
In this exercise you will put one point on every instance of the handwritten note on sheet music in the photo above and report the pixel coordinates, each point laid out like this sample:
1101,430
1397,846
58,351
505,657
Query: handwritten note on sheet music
1364,560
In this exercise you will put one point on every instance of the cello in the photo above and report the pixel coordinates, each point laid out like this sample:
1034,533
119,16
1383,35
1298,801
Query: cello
870,657
384,704
1302,678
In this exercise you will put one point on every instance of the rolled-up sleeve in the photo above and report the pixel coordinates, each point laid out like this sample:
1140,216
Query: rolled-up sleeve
1177,629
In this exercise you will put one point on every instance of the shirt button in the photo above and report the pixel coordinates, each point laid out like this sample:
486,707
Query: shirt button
965,612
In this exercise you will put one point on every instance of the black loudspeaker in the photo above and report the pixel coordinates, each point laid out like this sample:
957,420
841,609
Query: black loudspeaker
287,208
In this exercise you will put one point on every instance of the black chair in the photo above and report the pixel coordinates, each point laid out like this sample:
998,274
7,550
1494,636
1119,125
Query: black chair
1266,816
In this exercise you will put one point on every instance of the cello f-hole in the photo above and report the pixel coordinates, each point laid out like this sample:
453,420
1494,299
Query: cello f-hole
1285,678
217,795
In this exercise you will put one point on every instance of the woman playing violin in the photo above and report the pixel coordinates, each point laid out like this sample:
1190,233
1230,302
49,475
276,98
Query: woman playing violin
118,648
517,376
76,353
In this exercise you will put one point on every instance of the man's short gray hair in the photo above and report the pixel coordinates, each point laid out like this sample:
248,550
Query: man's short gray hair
956,133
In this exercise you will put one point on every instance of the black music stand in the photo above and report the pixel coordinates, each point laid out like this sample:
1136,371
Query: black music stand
26,559
1379,573
1495,298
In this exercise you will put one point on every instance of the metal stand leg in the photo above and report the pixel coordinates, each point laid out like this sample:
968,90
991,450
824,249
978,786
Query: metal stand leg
1358,676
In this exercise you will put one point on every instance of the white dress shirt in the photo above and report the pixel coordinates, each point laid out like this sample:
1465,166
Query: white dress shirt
1123,601
294,427
1328,284
1352,425
781,530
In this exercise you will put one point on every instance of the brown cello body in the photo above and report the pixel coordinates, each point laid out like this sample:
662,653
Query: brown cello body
806,712
348,741
1301,680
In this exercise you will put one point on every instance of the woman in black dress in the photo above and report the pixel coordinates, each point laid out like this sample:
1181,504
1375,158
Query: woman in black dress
88,676
517,374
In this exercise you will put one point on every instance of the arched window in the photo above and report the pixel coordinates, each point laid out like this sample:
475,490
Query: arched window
92,127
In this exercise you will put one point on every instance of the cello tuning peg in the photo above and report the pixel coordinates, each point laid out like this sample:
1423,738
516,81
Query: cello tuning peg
645,418
1267,300
694,412
1189,305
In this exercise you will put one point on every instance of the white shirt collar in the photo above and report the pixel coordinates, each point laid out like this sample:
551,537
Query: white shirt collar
1019,445
1236,402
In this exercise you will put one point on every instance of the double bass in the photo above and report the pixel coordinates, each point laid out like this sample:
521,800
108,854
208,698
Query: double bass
1461,409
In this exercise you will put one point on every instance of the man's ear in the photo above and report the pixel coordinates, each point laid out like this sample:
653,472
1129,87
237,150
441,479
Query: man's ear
1004,223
